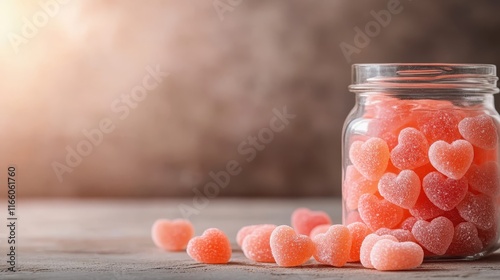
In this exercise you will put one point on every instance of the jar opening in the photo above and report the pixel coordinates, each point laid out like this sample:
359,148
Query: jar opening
449,78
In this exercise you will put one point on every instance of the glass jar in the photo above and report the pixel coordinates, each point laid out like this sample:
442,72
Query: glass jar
420,156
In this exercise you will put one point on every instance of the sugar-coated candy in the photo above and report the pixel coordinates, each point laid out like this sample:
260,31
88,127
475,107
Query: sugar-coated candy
408,223
333,247
454,216
370,158
484,178
304,220
289,248
246,230
480,131
358,233
211,247
424,209
172,235
411,151
352,217
402,235
488,237
355,185
444,192
478,209
378,213
392,255
319,229
440,125
453,160
466,241
402,189
435,236
367,245
481,155
256,246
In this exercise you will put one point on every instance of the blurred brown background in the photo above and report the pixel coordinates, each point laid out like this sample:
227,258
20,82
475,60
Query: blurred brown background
230,63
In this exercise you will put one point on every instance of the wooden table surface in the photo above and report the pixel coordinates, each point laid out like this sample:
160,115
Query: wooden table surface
110,239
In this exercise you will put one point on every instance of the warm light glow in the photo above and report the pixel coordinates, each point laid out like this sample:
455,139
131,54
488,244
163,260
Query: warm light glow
9,20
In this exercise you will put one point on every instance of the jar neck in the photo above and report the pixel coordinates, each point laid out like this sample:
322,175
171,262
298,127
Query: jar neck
425,79
478,101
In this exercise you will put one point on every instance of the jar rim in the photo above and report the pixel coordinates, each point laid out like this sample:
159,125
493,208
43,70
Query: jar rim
450,78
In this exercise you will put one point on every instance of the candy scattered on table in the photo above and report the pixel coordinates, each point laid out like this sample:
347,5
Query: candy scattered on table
358,233
172,235
392,255
319,229
304,220
333,247
402,235
256,246
212,247
290,248
246,230
367,245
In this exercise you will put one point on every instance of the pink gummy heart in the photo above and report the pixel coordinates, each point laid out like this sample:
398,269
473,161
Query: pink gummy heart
453,216
352,217
391,255
440,125
480,131
435,236
319,229
478,209
408,223
424,209
355,185
402,235
370,158
256,246
484,178
304,220
402,190
211,247
378,213
466,241
489,237
358,233
247,230
444,192
172,235
411,151
289,248
367,246
333,247
453,160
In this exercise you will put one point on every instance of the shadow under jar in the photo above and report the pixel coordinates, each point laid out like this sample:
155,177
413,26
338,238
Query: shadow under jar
420,156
